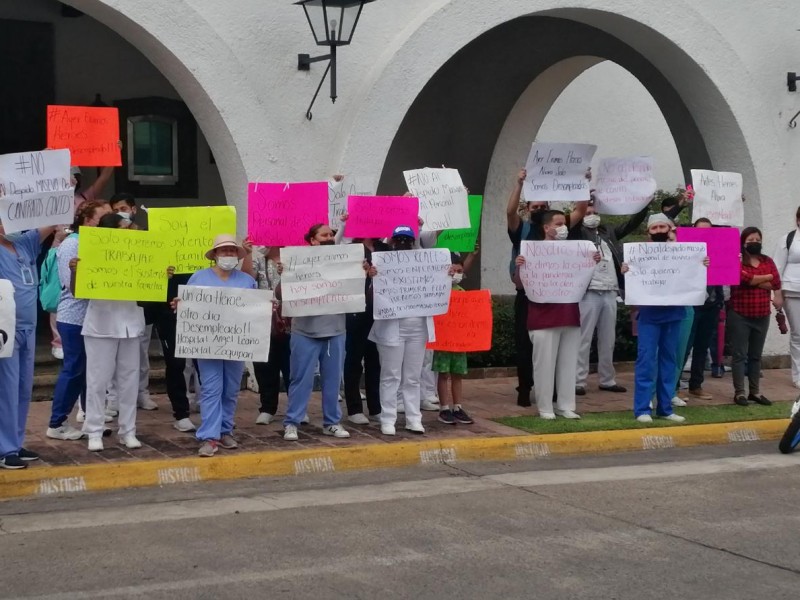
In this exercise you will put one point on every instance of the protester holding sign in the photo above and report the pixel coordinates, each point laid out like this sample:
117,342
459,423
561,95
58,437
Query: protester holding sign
787,261
748,316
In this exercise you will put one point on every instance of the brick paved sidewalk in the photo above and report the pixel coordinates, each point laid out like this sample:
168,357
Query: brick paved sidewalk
485,399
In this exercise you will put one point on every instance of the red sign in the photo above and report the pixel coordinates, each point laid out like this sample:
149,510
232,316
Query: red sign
91,134
467,326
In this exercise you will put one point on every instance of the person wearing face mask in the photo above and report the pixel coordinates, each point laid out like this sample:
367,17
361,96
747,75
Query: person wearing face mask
748,316
124,205
555,334
599,305
787,260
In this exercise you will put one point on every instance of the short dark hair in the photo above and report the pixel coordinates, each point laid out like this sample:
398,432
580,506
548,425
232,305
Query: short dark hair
703,220
455,259
125,197
548,217
312,232
111,221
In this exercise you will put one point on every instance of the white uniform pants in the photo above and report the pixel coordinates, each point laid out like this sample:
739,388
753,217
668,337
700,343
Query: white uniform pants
144,372
554,353
111,360
429,379
401,367
598,310
791,305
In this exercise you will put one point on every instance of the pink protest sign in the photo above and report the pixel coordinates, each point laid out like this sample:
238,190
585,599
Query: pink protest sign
377,216
723,251
280,214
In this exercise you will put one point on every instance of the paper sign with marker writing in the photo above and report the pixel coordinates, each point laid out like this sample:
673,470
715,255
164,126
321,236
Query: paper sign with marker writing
724,266
467,326
339,191
557,272
624,186
322,280
665,274
280,214
90,133
464,240
557,172
377,216
220,323
121,264
411,283
190,232
718,197
35,190
8,318
442,198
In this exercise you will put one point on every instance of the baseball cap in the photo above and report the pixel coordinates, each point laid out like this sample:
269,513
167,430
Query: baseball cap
403,231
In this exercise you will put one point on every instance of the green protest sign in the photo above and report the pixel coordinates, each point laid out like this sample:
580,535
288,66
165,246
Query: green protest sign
463,240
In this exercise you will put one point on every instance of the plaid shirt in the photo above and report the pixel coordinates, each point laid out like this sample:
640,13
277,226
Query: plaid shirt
753,301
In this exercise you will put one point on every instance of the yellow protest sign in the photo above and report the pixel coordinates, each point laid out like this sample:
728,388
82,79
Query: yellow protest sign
121,264
190,231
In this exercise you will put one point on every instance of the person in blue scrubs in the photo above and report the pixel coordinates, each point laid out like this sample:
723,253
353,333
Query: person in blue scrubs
18,253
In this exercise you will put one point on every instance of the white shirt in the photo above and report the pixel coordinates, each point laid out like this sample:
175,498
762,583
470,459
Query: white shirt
604,277
119,319
788,263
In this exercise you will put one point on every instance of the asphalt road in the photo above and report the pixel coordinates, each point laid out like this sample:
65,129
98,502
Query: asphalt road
702,523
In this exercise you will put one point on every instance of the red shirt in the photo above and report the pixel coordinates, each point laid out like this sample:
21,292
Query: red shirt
551,315
753,301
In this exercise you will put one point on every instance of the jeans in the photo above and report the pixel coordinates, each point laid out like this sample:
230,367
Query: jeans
747,342
268,374
358,348
71,382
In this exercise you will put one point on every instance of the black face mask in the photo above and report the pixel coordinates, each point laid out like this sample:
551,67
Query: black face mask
659,237
402,243
328,243
753,248
536,217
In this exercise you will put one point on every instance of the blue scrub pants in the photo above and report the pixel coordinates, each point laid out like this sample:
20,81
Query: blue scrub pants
220,382
16,389
305,352
71,382
656,367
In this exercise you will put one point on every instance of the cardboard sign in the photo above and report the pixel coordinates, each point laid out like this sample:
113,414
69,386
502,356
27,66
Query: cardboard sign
411,283
221,323
665,274
557,172
467,326
464,240
190,232
718,197
121,264
624,186
557,272
35,190
323,280
280,214
340,191
725,266
8,318
442,198
377,216
90,133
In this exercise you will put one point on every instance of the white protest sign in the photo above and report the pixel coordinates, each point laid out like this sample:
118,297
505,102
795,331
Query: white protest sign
665,274
442,197
557,272
8,318
411,283
718,197
322,280
624,186
35,190
338,192
221,323
557,172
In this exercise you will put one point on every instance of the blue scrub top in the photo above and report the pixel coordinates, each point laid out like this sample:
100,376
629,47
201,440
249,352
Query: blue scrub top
237,279
20,269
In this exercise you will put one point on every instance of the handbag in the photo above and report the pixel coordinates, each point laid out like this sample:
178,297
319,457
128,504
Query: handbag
780,317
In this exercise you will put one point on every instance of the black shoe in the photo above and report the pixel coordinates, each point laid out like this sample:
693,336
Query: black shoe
614,388
741,400
717,372
524,398
580,391
12,461
460,415
27,455
759,400
446,417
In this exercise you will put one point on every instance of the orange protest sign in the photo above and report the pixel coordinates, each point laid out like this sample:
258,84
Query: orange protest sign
89,133
467,326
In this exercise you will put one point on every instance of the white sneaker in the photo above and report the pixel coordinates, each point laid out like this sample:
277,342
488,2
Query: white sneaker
388,430
547,416
147,403
358,419
429,404
415,428
264,418
65,432
130,441
95,444
184,425
305,420
678,401
336,431
290,433
568,414
57,353
644,419
674,418
81,416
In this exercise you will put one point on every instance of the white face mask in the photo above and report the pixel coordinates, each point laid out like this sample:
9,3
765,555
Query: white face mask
562,232
591,221
227,263
458,278
126,216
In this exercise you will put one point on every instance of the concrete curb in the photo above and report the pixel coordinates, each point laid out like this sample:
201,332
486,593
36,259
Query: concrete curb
63,480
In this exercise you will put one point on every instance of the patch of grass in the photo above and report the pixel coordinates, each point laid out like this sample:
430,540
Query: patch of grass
609,421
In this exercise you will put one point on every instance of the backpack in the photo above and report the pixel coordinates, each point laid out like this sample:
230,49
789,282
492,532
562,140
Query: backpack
790,239
49,282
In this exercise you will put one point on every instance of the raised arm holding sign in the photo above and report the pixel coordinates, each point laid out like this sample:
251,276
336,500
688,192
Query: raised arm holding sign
279,214
90,133
557,172
377,216
718,197
338,193
624,186
442,198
